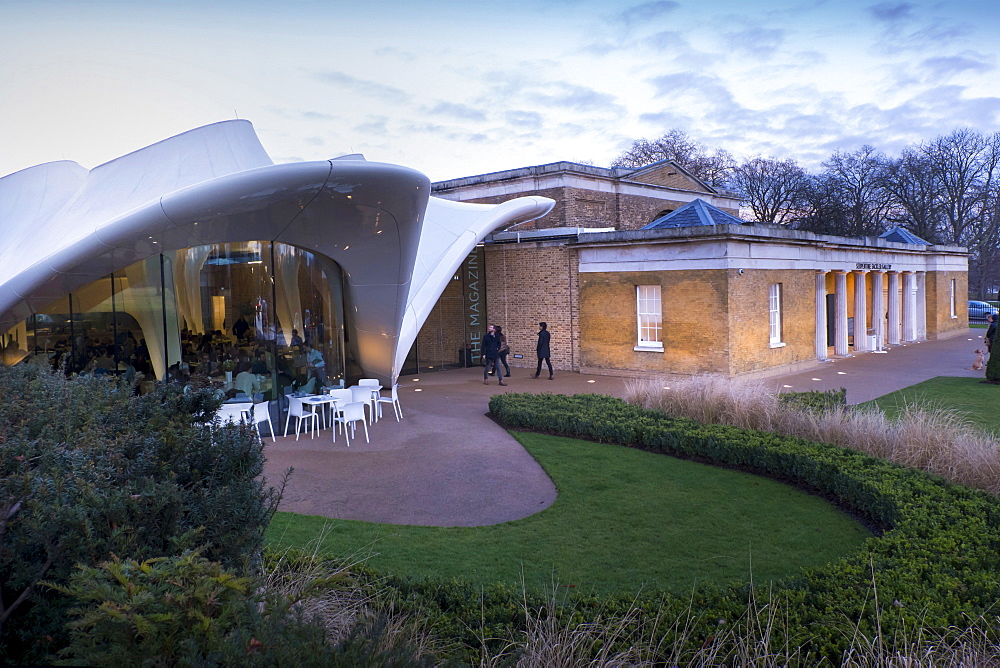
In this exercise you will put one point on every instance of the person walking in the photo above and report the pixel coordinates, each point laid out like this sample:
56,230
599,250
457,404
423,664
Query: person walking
542,349
491,353
504,350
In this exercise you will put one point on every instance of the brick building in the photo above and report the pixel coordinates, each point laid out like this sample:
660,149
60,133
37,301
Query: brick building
650,270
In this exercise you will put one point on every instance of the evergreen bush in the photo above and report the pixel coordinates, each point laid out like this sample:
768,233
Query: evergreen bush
88,470
183,610
993,366
815,400
189,611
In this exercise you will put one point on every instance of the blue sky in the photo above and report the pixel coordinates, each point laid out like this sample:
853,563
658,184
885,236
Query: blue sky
460,88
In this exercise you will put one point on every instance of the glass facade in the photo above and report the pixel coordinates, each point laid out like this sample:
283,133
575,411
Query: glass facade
450,337
202,315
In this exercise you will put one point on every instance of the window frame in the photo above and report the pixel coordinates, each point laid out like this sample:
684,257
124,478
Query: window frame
952,290
649,322
775,315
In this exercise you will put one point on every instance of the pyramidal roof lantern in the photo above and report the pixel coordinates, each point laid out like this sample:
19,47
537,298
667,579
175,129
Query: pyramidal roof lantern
694,214
903,236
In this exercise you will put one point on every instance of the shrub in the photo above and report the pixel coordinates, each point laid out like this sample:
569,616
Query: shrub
814,400
993,365
921,435
88,470
156,611
190,611
933,568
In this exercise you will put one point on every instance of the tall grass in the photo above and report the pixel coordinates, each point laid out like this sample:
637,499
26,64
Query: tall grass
921,436
329,594
758,638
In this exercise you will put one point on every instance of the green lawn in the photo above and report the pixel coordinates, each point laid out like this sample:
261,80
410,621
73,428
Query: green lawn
624,519
975,400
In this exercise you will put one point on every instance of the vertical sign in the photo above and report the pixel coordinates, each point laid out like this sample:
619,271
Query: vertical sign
474,276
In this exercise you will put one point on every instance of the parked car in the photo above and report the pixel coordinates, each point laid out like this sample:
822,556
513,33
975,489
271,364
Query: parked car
979,310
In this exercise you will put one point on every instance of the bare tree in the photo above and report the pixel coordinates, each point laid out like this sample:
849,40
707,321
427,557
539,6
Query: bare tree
965,163
984,265
916,194
866,200
714,168
772,188
824,206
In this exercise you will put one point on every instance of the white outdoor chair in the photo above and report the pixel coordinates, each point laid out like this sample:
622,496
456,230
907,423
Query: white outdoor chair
363,394
300,412
394,400
261,413
341,397
351,414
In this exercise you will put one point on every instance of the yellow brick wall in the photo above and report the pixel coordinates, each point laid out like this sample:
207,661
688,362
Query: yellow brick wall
531,283
937,288
694,322
668,176
577,207
749,321
714,321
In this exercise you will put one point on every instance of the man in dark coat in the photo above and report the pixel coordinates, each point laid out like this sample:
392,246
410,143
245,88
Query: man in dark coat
991,332
491,353
240,328
542,349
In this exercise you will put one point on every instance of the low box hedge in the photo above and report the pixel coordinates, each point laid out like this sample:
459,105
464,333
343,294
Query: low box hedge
934,566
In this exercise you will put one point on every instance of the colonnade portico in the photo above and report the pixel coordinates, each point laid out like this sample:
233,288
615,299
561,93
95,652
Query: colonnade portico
860,313
878,306
905,318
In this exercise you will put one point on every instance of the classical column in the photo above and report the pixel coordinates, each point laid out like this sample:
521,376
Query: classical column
840,347
820,315
921,309
878,310
860,313
893,334
909,307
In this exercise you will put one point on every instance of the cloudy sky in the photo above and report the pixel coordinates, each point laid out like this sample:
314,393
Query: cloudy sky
455,88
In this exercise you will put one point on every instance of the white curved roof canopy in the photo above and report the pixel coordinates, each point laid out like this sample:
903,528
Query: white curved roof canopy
398,247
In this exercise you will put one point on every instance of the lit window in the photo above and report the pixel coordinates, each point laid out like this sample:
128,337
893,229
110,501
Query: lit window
649,316
774,314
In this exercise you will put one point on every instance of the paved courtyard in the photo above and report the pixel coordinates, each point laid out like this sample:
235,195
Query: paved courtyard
447,464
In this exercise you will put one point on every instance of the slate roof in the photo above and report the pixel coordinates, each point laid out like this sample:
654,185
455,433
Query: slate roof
901,236
693,214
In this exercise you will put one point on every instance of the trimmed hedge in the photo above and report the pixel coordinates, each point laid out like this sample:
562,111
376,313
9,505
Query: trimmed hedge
936,565
815,400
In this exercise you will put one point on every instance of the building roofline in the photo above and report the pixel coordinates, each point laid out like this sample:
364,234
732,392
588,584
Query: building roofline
680,168
533,171
752,231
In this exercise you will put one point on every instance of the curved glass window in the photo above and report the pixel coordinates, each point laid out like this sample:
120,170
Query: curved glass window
255,317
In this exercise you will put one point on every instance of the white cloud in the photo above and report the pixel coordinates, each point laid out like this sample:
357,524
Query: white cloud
454,88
